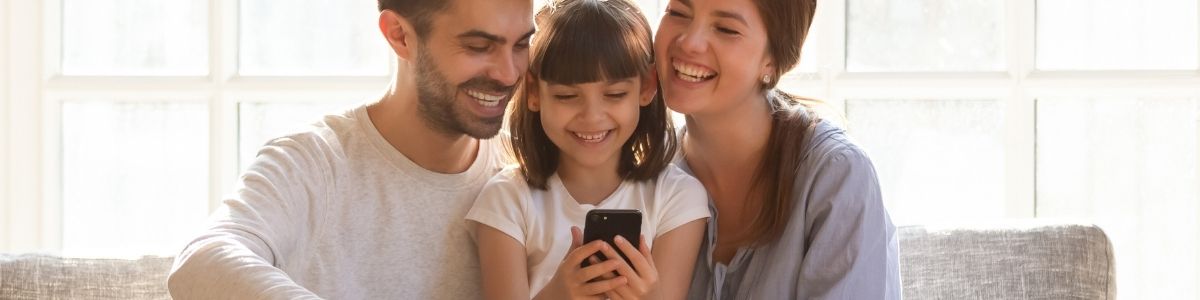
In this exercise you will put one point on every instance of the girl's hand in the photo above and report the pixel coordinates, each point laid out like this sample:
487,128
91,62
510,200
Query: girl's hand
572,282
642,281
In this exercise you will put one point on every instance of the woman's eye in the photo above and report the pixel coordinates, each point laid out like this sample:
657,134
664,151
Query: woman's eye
728,31
565,97
675,13
616,95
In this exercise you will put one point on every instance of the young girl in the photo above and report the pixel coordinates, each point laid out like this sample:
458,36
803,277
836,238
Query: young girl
588,134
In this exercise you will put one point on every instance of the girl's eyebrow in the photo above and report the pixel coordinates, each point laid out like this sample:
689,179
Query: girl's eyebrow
616,81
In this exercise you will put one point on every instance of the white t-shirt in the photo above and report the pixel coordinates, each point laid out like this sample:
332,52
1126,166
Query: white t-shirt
541,220
335,211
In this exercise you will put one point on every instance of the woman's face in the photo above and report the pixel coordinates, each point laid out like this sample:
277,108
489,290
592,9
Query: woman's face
711,54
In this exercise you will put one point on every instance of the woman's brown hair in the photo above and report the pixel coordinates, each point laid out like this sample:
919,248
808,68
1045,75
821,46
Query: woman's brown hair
792,122
580,41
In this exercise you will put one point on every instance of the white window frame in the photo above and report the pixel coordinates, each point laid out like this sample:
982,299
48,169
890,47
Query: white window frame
32,92
34,50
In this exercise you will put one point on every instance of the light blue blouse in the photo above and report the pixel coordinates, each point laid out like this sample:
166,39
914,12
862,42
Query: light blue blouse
839,244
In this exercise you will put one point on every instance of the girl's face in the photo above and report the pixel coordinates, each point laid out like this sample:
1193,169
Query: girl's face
711,54
589,122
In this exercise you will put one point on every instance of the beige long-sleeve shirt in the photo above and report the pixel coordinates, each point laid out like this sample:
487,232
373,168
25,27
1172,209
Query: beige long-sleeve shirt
336,212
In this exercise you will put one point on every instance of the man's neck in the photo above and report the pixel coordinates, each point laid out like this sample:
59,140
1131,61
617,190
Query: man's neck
401,125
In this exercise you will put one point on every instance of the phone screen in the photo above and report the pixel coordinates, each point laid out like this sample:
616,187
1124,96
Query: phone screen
607,224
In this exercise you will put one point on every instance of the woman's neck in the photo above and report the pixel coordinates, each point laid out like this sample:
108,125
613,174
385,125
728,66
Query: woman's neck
589,185
733,138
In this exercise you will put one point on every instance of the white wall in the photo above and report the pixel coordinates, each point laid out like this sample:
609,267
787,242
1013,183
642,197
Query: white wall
22,181
4,210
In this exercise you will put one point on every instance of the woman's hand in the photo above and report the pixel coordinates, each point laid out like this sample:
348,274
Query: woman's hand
571,281
643,280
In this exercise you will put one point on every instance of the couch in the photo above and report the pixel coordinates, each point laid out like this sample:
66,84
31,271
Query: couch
1058,261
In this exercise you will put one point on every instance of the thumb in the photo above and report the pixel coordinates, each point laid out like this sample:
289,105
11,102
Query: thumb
576,237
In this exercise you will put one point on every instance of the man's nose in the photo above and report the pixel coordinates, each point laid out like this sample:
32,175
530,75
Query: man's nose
504,68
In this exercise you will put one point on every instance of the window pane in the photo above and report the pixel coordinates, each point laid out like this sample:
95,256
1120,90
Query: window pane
924,35
135,176
937,160
1111,34
1129,166
311,37
258,122
135,37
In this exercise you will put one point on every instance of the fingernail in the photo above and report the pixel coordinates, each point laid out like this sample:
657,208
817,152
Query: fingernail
621,239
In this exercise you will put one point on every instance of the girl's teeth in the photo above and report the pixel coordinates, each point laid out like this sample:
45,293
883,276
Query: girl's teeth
594,137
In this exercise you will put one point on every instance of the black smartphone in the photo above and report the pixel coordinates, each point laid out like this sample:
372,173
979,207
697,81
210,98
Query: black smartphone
607,224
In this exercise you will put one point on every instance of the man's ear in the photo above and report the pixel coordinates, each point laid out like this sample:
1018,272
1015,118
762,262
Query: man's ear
649,87
533,99
399,33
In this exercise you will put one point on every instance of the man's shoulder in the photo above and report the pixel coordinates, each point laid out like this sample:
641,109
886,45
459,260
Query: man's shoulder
324,134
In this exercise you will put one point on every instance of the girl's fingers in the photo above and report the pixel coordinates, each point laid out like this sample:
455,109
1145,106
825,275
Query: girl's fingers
595,261
639,260
612,295
576,238
635,279
649,256
577,255
625,292
597,270
602,286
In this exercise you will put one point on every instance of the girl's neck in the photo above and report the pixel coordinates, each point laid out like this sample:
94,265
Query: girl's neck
589,185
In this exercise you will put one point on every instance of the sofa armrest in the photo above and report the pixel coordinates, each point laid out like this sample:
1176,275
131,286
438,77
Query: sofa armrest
38,276
1061,261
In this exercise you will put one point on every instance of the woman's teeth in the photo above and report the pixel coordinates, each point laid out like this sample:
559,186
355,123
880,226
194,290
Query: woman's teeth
484,99
692,73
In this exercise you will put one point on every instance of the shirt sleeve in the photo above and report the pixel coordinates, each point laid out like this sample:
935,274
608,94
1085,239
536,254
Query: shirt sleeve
682,199
852,247
277,202
501,205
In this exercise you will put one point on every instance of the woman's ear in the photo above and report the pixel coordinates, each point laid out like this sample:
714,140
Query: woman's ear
649,87
399,33
768,69
532,97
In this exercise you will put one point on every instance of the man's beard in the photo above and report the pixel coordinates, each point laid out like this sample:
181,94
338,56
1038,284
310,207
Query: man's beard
437,104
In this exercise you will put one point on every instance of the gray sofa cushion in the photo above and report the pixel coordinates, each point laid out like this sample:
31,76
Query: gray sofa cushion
37,276
1034,262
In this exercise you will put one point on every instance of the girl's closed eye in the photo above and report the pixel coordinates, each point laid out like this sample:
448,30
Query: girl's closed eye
565,96
616,95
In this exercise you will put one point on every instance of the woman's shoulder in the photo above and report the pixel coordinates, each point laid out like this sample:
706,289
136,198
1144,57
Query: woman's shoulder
829,143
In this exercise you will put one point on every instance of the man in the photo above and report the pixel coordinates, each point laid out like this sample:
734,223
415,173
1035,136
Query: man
369,204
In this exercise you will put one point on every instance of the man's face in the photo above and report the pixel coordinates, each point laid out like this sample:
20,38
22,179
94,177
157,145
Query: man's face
470,62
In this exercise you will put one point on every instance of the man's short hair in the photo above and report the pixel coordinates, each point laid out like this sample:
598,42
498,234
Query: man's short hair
418,12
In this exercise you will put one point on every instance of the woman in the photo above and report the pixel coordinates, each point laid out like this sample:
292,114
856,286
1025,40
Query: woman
797,211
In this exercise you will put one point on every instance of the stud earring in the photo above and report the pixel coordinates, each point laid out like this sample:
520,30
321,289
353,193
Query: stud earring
766,79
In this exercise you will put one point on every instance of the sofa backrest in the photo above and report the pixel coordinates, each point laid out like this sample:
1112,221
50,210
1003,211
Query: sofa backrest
39,276
1032,262
1011,262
